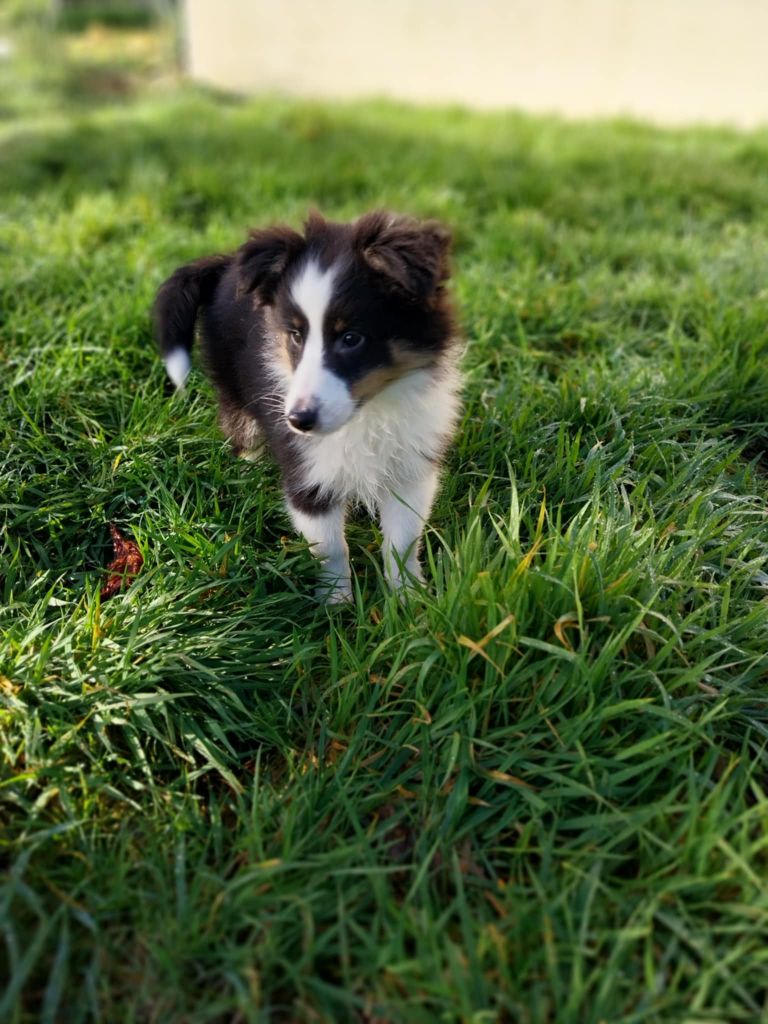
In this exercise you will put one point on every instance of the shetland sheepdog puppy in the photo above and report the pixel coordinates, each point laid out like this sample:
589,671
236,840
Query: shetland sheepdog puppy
337,350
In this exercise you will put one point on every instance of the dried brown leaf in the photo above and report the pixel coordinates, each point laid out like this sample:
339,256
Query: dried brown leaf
125,565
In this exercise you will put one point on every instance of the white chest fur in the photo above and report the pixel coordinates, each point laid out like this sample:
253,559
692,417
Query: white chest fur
393,439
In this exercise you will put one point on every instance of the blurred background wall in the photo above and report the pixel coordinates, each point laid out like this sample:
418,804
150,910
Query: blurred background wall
671,61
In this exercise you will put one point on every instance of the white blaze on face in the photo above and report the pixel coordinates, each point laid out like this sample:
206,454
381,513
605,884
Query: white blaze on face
313,386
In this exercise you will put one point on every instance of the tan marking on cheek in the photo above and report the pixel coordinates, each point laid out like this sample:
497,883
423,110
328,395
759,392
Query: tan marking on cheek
282,354
279,343
374,382
404,360
407,359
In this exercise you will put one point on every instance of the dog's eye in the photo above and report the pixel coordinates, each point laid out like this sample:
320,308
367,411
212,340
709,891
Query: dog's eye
350,340
295,338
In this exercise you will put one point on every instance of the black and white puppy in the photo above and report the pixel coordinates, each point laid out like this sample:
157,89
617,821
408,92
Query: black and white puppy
338,348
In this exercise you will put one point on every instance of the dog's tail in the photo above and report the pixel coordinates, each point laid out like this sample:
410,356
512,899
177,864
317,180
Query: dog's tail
175,311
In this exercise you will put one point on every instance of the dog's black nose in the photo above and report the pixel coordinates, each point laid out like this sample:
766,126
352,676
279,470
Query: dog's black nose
303,419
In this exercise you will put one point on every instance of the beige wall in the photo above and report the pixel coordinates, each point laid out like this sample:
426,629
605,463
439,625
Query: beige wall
671,61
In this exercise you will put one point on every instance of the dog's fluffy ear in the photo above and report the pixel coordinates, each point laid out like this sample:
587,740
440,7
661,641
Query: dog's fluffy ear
264,258
413,256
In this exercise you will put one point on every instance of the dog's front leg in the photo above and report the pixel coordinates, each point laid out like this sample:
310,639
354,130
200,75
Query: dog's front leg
402,515
324,531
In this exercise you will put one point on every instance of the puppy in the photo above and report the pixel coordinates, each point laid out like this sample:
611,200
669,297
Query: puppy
338,349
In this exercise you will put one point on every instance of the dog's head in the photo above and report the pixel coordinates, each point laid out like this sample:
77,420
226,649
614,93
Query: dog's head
353,308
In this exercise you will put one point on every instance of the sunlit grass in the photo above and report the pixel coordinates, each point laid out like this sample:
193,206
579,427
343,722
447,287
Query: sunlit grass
535,792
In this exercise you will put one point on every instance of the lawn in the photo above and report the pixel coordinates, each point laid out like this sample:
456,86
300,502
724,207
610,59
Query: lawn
535,792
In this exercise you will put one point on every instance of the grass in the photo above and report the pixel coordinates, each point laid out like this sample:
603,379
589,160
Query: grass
535,792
